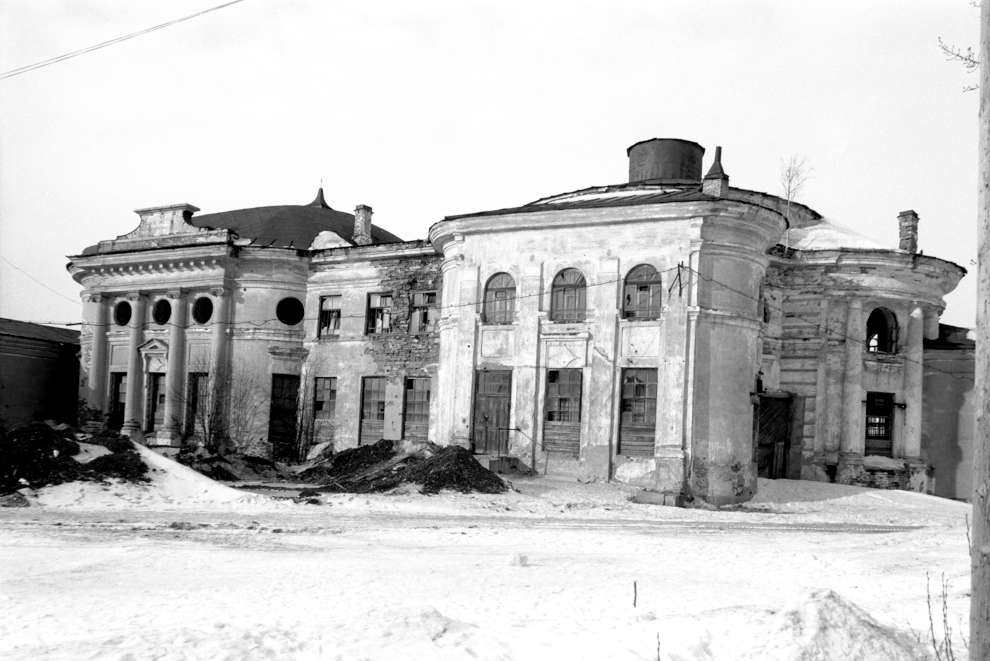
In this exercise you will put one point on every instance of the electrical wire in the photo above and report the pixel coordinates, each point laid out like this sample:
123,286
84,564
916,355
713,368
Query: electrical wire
37,281
110,42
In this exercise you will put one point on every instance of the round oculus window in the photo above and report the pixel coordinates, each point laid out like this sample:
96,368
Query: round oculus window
289,311
122,313
162,312
202,310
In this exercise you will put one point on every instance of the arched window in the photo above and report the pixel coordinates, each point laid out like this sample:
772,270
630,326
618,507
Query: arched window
881,331
568,298
641,294
500,299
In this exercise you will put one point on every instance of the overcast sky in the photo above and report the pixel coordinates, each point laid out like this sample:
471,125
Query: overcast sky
433,108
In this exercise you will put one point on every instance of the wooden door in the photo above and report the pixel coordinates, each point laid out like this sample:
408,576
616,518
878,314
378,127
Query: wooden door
372,410
156,401
562,412
490,424
773,436
282,417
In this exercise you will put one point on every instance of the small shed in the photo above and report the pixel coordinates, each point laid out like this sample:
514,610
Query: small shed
39,372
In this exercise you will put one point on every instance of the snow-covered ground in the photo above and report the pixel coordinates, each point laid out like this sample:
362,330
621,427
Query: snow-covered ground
185,568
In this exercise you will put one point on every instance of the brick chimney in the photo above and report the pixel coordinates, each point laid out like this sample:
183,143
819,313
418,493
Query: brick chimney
716,182
907,222
362,225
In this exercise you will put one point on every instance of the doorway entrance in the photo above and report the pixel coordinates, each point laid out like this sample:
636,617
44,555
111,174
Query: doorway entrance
773,435
490,424
282,416
155,416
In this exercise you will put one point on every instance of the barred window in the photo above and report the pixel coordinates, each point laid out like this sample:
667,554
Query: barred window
500,299
324,396
423,317
641,294
379,313
568,296
880,424
329,316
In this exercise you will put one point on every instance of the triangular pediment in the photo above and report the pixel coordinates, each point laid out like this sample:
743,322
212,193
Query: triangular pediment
154,346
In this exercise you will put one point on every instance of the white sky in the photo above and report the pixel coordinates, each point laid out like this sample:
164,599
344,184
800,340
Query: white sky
434,108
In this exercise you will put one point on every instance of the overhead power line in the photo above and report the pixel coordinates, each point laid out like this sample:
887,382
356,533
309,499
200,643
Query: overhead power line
116,40
39,282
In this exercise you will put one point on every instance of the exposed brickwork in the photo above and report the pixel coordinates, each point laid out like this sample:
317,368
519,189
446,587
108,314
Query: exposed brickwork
401,351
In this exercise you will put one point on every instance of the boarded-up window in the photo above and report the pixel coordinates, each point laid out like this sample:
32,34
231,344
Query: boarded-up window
423,317
379,313
568,296
562,417
880,424
638,412
372,409
329,316
641,293
416,416
500,299
324,396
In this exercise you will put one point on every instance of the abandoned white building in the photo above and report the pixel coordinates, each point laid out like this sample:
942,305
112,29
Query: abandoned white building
671,331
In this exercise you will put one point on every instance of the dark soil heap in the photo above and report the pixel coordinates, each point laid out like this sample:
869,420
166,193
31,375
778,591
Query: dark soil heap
232,467
38,455
378,467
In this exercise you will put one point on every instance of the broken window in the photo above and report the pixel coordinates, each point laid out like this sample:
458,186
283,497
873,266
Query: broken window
416,417
568,296
424,312
329,316
641,294
880,424
881,331
379,314
638,412
563,402
372,409
500,299
324,396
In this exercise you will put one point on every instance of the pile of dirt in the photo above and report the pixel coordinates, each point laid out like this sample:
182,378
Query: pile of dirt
233,467
350,462
455,468
383,466
38,455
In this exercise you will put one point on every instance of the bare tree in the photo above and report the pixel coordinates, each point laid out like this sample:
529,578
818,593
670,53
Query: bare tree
965,56
226,416
979,609
794,174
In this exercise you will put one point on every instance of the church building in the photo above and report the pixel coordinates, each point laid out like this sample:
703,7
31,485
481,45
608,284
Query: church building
671,331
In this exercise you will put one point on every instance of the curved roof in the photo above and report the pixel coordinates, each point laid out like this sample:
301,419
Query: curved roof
289,225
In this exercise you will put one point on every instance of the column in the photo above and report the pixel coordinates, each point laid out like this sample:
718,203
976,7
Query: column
176,366
914,373
220,377
852,387
96,316
133,406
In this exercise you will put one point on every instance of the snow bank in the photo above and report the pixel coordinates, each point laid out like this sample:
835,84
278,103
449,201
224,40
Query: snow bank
821,626
171,485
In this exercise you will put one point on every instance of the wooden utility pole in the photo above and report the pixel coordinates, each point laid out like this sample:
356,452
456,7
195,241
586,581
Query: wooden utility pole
979,610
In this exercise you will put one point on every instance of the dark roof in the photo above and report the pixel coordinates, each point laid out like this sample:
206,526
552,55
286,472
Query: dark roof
602,199
952,337
289,225
38,331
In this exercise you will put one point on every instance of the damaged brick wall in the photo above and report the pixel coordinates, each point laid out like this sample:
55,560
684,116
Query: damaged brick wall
402,352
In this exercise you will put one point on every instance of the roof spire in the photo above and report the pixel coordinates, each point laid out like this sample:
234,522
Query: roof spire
320,201
716,171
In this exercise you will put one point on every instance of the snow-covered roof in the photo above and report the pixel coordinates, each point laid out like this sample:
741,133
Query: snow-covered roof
829,235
